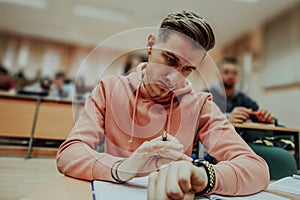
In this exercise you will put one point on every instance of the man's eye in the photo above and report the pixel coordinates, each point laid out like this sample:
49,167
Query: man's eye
171,60
188,69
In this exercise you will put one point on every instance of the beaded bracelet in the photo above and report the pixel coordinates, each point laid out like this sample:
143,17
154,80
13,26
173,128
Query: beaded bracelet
210,175
115,175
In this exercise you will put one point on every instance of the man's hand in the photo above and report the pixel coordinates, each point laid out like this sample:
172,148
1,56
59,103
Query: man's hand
150,156
265,116
239,115
178,180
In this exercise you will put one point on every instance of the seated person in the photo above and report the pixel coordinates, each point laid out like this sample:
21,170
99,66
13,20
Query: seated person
7,83
133,60
40,88
150,119
238,108
62,89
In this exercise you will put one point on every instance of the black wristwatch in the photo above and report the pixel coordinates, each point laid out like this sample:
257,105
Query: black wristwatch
210,175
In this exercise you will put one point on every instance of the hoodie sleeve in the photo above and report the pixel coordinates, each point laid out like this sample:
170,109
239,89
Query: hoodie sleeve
239,170
77,156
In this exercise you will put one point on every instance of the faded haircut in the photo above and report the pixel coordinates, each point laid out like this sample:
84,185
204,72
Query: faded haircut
189,24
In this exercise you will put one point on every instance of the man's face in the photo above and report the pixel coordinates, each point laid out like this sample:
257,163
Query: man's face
59,82
169,64
229,73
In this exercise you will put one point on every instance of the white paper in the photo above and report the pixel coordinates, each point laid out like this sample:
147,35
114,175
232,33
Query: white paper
287,184
258,196
136,189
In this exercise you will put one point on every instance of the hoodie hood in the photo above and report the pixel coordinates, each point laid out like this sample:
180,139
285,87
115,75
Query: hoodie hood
136,80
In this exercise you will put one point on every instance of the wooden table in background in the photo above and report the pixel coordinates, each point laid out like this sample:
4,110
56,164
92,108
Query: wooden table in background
36,117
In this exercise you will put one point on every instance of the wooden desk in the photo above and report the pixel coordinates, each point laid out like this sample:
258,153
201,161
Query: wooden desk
277,131
72,189
36,117
55,121
16,118
63,188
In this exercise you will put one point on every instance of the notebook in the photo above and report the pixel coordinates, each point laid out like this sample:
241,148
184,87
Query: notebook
136,189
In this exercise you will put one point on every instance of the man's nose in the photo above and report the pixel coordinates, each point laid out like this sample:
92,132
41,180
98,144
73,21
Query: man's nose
174,78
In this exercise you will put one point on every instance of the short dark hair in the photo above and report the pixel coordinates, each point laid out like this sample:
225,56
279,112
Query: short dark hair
191,25
228,60
3,70
60,75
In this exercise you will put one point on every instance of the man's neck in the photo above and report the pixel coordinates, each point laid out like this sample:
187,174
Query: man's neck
229,92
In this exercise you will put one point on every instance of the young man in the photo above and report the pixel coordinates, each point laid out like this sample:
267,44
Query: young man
134,111
237,105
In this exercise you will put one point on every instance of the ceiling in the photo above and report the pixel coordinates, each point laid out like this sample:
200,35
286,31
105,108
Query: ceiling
88,22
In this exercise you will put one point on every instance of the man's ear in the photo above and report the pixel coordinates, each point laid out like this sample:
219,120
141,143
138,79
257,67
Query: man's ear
151,40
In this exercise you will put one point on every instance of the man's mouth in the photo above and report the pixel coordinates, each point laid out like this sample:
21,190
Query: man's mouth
166,85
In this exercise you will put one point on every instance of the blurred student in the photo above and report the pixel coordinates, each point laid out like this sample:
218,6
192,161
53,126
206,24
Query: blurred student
133,60
23,81
81,89
133,112
61,89
237,106
7,83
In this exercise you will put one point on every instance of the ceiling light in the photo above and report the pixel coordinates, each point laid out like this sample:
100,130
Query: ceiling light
100,13
29,3
249,1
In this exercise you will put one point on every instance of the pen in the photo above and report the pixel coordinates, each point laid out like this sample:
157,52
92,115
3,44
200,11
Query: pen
254,113
295,176
164,136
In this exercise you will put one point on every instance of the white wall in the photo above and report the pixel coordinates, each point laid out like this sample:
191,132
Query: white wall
275,84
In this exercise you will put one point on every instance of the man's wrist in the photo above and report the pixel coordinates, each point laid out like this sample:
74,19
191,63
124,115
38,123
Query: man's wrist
114,171
211,178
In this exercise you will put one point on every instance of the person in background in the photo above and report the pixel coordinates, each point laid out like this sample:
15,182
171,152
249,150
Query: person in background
40,88
237,106
45,84
133,60
23,81
81,89
7,83
151,118
61,90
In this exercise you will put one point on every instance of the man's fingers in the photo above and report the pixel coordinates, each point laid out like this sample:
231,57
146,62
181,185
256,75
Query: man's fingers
184,177
161,185
173,189
152,186
154,145
173,154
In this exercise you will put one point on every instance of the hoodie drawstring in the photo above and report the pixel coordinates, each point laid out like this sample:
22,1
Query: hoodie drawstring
134,114
170,114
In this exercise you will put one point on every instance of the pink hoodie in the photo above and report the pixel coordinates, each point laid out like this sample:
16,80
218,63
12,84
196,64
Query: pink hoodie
119,100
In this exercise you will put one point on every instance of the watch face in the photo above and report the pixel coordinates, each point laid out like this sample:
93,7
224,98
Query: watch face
199,162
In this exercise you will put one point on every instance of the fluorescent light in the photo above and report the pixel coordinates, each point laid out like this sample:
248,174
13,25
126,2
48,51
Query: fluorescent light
100,13
249,1
29,3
